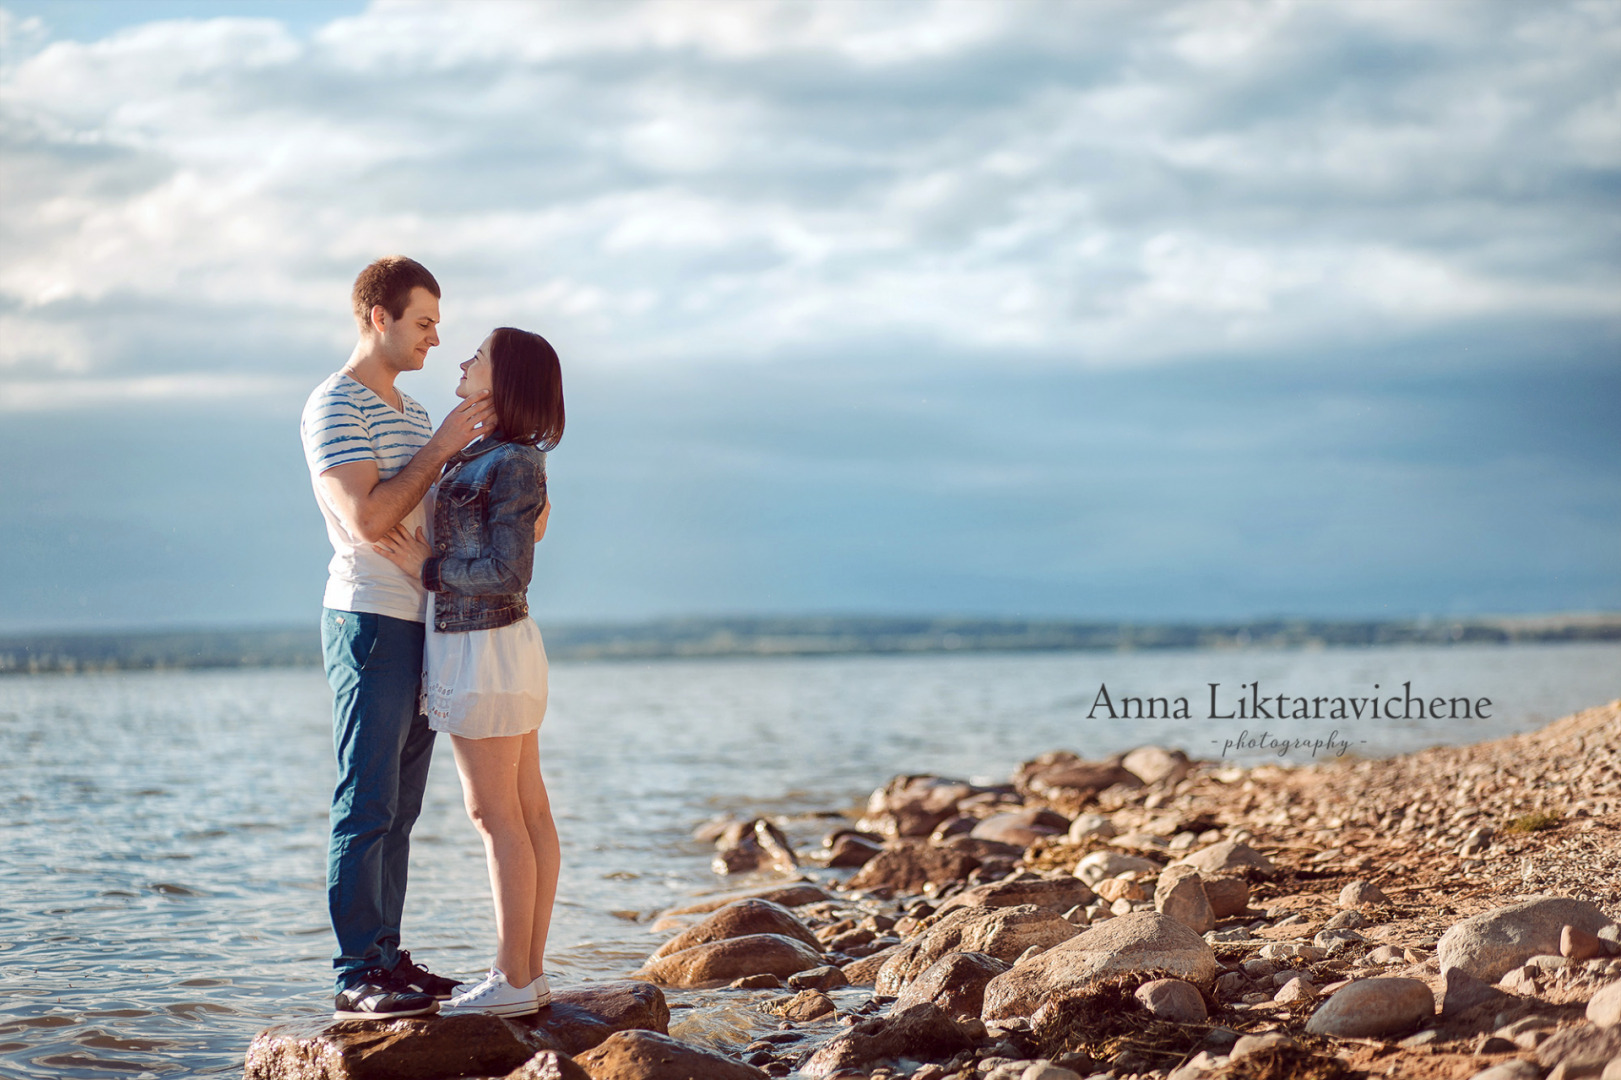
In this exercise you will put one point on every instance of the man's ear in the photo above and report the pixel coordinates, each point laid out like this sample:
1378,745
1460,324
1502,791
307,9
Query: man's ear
379,318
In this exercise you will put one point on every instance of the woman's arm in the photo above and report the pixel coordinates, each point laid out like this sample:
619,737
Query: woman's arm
506,560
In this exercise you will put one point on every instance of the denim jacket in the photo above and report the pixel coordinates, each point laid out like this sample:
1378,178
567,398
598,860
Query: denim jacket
484,536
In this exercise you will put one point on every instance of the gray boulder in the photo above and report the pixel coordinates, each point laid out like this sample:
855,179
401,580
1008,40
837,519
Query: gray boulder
1490,945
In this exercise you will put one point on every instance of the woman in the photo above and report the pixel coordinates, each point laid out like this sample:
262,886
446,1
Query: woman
484,681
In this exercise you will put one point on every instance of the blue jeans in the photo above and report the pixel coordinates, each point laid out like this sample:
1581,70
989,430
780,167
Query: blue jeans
384,744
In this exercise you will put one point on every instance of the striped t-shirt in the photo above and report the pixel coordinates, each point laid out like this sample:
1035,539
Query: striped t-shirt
344,422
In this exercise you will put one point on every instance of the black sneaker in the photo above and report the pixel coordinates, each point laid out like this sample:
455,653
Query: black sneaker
376,996
408,975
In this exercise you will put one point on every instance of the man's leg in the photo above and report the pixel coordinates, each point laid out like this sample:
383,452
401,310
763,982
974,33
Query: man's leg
415,754
373,710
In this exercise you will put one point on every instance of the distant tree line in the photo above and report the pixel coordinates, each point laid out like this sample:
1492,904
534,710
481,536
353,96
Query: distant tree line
806,636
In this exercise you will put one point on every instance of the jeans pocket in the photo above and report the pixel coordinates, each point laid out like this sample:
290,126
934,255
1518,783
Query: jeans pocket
347,639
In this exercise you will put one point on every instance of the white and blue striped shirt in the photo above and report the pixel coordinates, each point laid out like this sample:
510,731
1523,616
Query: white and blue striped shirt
345,422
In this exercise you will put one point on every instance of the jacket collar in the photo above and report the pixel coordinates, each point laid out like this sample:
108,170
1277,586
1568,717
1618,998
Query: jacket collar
483,445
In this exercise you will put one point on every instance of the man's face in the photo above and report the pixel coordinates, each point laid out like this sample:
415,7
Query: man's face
404,342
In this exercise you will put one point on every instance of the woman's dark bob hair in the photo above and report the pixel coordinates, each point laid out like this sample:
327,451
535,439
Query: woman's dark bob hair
526,385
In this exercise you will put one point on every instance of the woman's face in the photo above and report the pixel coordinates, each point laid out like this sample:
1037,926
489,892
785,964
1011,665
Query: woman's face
476,372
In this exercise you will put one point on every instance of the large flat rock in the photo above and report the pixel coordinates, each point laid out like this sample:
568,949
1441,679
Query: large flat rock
1141,942
642,1055
450,1047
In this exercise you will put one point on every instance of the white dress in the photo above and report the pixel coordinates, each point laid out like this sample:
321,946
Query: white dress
480,684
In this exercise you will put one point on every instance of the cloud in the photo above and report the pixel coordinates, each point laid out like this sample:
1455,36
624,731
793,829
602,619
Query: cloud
1095,183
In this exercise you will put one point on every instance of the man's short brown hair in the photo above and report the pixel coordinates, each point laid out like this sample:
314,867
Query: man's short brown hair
389,282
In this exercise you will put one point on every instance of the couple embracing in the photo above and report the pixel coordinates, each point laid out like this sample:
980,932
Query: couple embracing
425,628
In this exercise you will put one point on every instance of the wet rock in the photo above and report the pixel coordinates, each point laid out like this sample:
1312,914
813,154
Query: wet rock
756,982
911,865
1020,828
1063,779
805,1006
913,805
1581,1049
1229,857
452,1046
1004,933
1578,944
427,1049
989,852
864,972
1174,1000
740,919
719,962
1101,865
549,1065
645,1055
1464,992
1089,825
1359,893
1180,895
1139,942
961,825
955,983
1605,1008
1228,895
921,1033
1155,764
826,977
1372,1008
1491,944
1049,894
852,849
580,1017
789,896
754,845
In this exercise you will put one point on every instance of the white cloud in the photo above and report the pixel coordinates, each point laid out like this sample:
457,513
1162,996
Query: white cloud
1106,182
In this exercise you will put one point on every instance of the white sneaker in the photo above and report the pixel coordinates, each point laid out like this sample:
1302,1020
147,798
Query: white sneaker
542,991
493,995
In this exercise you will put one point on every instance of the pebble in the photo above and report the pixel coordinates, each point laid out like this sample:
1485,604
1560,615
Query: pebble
1249,1044
1293,991
1174,1000
1578,944
1351,919
1362,892
1089,825
1257,968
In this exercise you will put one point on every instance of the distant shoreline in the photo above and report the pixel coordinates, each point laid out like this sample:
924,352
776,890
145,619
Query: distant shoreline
46,653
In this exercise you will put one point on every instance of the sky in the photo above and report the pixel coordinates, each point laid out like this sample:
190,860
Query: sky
1167,311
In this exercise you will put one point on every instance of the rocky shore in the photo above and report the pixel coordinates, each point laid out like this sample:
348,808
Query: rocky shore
1451,913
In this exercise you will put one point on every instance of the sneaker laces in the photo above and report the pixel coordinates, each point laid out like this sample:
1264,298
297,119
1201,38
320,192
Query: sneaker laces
487,986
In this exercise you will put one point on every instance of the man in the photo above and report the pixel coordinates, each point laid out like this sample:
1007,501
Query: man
373,454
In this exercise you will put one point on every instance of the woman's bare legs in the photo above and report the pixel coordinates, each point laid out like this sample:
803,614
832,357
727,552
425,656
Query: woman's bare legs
537,815
490,770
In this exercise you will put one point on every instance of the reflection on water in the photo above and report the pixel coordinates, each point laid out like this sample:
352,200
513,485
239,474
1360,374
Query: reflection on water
162,835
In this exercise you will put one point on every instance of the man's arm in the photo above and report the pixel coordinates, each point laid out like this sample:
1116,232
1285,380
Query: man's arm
369,507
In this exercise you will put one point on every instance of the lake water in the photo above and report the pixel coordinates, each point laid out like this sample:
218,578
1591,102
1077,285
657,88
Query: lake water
162,835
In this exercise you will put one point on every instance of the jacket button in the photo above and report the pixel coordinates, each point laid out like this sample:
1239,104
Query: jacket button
442,626
443,546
